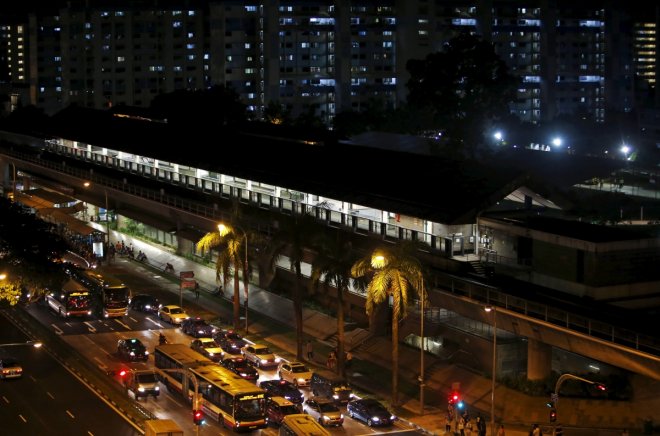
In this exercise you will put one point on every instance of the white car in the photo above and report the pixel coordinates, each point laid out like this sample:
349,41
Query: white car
259,355
324,411
295,373
172,314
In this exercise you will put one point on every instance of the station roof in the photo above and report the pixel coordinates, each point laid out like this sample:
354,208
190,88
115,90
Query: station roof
439,188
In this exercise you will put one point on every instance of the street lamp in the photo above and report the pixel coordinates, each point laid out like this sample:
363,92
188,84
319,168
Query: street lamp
223,230
3,276
562,379
35,344
421,348
494,370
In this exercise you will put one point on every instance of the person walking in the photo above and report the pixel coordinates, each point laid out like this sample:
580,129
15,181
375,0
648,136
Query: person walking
196,290
500,430
559,431
348,360
332,360
310,350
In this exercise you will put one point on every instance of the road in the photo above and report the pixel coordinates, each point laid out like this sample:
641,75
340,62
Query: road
96,339
48,400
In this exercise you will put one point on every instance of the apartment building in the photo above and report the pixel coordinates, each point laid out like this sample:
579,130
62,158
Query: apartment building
321,56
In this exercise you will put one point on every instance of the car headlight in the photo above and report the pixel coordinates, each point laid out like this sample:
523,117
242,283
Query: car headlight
375,418
146,353
140,389
335,396
341,416
277,359
264,361
132,353
326,417
243,374
301,380
210,354
147,306
156,388
392,418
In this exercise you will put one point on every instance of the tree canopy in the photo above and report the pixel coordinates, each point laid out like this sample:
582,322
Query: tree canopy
461,90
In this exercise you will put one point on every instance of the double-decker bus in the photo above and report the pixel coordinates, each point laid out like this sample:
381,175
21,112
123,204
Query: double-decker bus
224,396
72,300
111,296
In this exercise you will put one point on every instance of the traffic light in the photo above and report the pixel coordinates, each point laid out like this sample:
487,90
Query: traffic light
198,417
455,400
553,415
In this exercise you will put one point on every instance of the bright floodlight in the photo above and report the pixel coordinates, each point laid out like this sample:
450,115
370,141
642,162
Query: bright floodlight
557,141
625,149
498,135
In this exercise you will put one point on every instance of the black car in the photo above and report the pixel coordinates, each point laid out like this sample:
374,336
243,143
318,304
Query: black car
145,303
132,349
241,367
230,341
198,328
282,388
369,411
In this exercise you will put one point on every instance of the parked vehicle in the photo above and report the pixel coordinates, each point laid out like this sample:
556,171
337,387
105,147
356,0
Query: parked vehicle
370,411
324,411
132,349
295,372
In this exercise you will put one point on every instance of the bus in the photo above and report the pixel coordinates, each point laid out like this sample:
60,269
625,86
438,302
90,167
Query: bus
73,300
300,424
223,395
111,296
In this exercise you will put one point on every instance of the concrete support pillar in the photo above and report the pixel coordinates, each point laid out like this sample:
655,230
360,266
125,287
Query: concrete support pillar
539,360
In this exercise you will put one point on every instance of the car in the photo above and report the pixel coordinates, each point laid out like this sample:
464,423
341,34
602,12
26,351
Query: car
259,355
324,411
208,348
331,386
10,368
197,327
282,388
370,411
172,314
295,372
132,349
145,303
241,367
230,341
278,407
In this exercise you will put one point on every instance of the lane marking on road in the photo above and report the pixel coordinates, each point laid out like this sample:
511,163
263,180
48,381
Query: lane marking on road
57,329
90,327
70,414
21,416
133,319
50,395
6,400
155,322
102,365
32,378
121,323
90,433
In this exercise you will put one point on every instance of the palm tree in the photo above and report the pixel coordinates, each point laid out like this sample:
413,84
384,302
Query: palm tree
396,272
333,265
230,260
294,235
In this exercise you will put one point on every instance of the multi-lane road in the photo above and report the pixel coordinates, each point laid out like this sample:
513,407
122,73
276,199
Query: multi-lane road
96,340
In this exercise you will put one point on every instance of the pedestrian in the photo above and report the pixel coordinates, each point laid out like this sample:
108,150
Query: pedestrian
500,431
332,360
448,423
625,432
559,431
348,360
536,430
196,290
310,350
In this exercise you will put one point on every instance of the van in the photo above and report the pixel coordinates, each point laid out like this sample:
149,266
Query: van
142,383
331,386
301,425
279,407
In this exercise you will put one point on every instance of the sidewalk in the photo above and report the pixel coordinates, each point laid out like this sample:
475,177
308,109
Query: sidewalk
271,318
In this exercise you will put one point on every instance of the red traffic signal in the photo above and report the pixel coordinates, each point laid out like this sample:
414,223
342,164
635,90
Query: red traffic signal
198,417
553,415
122,373
454,398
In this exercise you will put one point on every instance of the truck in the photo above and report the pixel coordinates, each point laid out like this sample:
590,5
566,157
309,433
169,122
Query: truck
162,427
142,382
